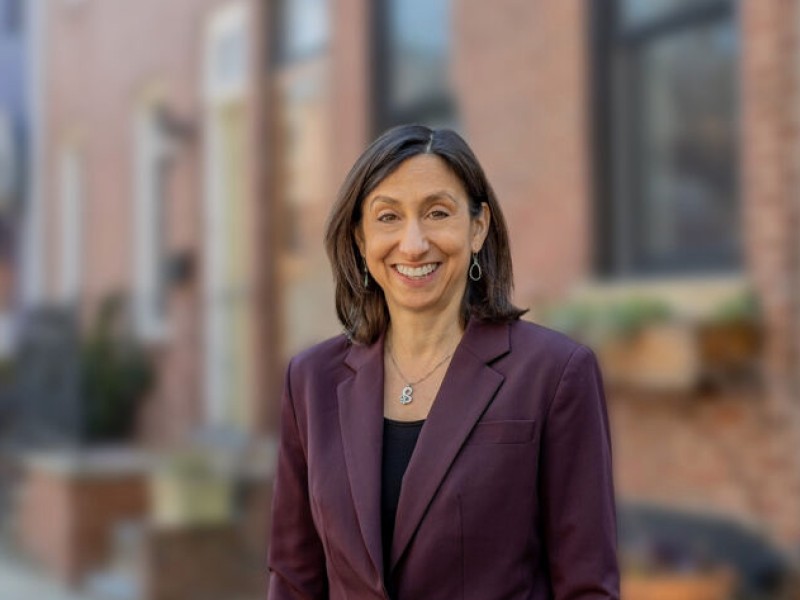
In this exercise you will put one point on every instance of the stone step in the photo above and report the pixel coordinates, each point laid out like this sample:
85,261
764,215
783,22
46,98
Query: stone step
114,585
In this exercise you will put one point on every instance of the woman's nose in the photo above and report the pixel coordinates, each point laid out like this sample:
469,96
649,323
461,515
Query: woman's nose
414,241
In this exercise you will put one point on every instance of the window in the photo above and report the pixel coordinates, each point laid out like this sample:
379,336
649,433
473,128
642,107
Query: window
11,16
9,164
151,156
70,213
302,66
666,136
301,29
412,79
227,68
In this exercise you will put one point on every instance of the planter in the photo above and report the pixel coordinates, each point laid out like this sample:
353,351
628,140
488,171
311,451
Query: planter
661,356
680,356
71,502
186,491
729,349
717,585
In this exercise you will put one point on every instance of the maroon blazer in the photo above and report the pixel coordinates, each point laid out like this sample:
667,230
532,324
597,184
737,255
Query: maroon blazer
508,495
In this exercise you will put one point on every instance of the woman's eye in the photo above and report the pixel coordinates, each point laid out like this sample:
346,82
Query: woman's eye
387,217
439,214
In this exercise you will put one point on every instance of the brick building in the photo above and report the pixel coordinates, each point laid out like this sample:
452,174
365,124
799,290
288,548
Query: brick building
14,145
154,186
638,149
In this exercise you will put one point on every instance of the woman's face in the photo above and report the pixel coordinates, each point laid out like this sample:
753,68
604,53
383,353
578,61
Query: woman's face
418,237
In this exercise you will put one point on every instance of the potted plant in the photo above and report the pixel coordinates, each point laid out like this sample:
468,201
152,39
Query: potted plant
642,342
730,340
639,340
116,374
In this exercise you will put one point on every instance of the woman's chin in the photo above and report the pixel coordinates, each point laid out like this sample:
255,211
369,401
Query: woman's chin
423,303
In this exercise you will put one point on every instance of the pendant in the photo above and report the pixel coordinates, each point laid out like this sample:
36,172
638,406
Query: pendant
405,395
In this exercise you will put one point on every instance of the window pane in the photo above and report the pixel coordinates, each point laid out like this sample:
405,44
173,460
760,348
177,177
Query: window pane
12,16
230,58
419,46
634,13
303,28
687,145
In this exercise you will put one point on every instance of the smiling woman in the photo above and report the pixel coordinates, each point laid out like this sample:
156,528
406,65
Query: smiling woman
417,237
441,448
409,167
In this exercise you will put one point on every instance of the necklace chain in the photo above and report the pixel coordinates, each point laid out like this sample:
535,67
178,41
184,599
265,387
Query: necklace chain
407,395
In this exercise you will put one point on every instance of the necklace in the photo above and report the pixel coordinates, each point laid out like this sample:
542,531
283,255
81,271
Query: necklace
407,395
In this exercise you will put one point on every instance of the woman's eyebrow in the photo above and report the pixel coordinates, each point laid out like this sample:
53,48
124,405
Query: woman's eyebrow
437,195
386,199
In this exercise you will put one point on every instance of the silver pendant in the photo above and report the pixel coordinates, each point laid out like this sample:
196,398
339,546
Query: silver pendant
405,395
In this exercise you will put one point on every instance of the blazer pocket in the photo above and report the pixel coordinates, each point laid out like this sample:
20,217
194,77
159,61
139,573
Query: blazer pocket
502,432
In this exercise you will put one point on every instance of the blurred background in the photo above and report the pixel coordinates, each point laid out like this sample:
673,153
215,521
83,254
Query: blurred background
166,169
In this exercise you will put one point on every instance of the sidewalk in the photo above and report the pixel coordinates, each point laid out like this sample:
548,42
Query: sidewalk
19,581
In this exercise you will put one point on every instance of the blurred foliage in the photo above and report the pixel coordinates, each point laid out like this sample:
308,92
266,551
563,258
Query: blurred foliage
595,322
743,307
6,370
598,321
116,374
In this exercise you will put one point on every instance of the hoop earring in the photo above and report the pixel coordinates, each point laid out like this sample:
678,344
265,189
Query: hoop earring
475,271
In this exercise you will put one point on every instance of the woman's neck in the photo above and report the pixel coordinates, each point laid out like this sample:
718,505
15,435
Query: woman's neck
415,338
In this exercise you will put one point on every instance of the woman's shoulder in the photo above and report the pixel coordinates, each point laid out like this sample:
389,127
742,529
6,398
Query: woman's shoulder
322,355
533,337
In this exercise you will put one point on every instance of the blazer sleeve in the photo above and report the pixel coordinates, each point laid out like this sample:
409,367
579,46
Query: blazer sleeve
296,555
577,491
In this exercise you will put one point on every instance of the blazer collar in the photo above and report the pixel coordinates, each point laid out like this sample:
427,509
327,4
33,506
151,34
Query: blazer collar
486,341
466,391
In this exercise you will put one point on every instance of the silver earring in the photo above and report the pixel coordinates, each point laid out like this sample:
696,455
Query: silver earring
475,271
366,275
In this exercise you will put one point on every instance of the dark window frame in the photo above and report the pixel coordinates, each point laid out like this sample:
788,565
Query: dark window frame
383,116
610,40
12,16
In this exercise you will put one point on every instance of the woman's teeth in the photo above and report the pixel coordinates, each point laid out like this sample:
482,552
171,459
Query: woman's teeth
416,271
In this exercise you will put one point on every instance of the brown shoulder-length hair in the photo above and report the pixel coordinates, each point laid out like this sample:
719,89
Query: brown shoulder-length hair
362,310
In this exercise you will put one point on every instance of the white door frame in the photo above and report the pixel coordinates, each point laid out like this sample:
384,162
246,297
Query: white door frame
226,81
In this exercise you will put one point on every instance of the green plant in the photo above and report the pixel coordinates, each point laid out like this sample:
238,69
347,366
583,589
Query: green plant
6,369
743,307
595,322
116,374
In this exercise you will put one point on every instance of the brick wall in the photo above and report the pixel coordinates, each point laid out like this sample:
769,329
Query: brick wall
66,519
219,561
769,99
715,454
520,74
771,217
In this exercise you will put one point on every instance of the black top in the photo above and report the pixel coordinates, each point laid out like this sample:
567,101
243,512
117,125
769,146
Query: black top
399,439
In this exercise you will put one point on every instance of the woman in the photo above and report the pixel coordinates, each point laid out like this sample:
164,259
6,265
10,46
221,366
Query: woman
442,448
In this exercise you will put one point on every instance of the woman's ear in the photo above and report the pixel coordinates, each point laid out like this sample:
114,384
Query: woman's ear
359,237
480,227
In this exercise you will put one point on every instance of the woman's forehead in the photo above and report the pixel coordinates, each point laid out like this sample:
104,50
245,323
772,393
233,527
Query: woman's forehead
418,177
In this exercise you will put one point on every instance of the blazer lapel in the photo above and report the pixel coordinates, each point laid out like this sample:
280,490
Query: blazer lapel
466,391
361,420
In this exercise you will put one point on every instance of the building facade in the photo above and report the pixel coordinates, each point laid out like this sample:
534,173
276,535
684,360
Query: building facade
639,149
153,177
14,145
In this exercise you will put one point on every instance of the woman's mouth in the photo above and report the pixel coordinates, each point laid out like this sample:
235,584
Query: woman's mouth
416,272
